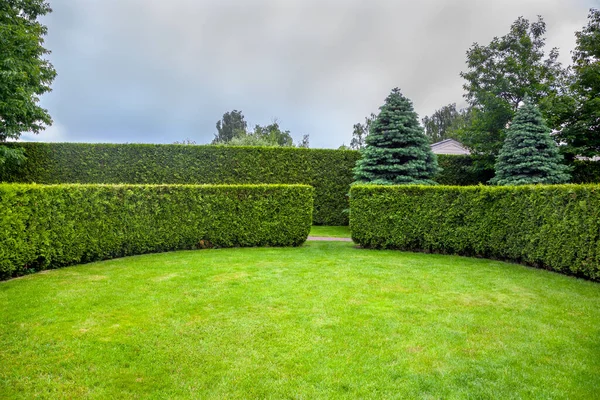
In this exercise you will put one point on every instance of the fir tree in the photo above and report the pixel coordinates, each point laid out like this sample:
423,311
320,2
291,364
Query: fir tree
397,151
529,155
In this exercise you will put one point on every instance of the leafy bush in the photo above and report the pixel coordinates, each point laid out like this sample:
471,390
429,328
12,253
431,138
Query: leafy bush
49,226
554,227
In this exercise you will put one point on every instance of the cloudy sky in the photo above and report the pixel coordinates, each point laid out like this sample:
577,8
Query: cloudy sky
156,71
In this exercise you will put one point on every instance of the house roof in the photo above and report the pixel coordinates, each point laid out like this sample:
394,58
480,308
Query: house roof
449,146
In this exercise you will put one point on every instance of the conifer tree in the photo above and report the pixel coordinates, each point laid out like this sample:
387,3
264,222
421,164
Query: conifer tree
529,155
397,151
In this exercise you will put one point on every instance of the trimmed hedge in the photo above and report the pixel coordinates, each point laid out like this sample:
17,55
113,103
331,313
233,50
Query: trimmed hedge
50,226
329,171
554,227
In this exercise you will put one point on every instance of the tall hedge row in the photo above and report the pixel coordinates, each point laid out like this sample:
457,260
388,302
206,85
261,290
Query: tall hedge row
49,226
554,227
328,171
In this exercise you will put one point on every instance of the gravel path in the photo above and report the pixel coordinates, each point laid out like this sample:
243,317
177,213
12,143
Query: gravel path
330,239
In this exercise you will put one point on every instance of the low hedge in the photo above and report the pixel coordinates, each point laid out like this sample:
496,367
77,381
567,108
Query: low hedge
554,227
56,225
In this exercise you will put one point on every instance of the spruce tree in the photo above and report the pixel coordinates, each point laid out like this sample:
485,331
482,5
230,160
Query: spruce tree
397,150
529,155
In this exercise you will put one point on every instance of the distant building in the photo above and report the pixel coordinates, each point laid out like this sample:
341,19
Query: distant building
449,146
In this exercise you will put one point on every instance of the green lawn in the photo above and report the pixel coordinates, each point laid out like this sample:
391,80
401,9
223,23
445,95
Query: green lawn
326,320
330,231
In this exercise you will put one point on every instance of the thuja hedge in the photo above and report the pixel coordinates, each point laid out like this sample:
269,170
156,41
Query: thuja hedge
554,227
328,171
50,226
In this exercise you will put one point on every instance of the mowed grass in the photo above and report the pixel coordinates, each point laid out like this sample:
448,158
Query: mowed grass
326,320
330,231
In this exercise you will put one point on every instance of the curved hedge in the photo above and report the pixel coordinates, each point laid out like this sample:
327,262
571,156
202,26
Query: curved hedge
554,227
56,225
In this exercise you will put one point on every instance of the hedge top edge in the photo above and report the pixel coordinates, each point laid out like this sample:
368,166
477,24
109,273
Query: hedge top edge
475,187
166,185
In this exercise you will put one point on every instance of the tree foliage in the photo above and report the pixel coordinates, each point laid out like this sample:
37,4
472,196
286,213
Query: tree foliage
273,134
232,131
582,131
250,140
304,143
25,74
444,123
230,126
529,155
360,133
501,74
397,150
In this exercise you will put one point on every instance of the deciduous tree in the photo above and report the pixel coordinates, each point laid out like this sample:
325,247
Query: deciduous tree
501,74
231,125
582,131
360,133
444,123
25,73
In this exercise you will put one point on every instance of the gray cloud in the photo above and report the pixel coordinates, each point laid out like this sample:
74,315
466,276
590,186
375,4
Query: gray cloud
160,71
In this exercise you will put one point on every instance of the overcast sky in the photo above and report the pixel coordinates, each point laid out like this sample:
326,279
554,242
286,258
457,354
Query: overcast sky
156,71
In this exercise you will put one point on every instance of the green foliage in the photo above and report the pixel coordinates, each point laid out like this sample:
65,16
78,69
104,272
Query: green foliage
464,170
50,226
529,155
397,150
250,140
273,134
24,73
360,133
304,143
230,126
586,171
11,158
582,131
267,136
329,171
501,74
554,227
444,123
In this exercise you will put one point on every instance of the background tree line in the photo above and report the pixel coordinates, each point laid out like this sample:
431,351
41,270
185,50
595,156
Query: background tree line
232,130
501,74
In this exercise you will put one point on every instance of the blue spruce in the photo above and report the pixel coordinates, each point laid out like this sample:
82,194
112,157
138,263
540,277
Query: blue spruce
397,150
529,154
